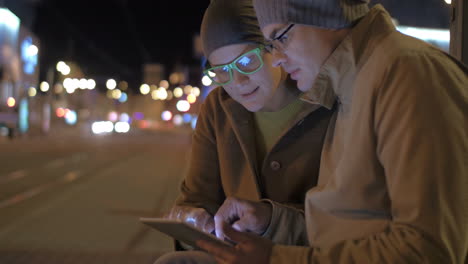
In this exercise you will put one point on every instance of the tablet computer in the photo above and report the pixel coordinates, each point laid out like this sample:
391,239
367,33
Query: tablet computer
182,231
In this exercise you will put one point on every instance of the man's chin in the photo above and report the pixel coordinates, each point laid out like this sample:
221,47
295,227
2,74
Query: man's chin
303,85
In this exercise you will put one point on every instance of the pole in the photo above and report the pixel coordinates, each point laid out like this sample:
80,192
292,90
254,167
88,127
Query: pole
459,30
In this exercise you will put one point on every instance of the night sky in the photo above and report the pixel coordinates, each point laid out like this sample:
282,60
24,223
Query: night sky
113,38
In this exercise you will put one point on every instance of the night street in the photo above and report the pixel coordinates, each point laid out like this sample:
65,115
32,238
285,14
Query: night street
77,199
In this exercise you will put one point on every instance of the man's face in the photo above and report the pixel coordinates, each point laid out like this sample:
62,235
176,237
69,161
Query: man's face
301,51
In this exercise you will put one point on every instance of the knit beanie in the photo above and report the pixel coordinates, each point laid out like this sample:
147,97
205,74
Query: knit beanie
227,22
331,14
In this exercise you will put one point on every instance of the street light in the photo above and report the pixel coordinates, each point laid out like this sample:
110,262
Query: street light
111,84
44,86
449,2
144,89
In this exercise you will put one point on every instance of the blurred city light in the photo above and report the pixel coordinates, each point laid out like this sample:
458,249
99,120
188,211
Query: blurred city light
164,84
9,19
124,117
426,34
191,98
122,127
102,127
32,91
206,80
178,92
187,118
58,88
123,85
11,102
194,122
154,95
44,86
123,97
60,112
112,116
144,89
116,94
66,70
196,91
448,2
178,120
71,117
91,84
188,89
138,115
183,106
63,68
60,66
111,84
162,93
32,50
166,115
83,84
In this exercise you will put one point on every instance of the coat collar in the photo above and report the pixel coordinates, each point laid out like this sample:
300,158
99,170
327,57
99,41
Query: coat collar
340,68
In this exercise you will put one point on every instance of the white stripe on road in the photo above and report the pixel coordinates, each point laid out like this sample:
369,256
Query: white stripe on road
19,174
68,177
13,176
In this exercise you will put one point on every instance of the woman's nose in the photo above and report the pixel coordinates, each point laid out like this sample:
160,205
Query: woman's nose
239,78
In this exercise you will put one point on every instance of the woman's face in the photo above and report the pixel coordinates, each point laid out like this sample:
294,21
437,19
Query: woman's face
257,91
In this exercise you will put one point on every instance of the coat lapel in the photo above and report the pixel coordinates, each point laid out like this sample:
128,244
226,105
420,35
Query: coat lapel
243,125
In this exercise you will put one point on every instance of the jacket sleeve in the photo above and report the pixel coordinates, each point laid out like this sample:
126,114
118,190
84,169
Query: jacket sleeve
420,121
287,225
201,186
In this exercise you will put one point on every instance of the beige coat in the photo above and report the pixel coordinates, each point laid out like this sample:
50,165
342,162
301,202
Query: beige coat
393,183
223,159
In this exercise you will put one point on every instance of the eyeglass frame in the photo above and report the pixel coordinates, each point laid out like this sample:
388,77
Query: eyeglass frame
233,65
280,46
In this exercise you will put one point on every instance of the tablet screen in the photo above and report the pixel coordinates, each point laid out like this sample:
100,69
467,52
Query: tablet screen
182,231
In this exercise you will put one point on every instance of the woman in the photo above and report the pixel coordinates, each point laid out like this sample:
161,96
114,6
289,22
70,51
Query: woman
252,132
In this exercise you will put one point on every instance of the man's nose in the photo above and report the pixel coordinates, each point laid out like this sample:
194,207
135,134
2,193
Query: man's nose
278,58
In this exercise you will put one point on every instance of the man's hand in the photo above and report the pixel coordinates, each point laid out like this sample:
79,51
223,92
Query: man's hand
250,248
197,217
243,215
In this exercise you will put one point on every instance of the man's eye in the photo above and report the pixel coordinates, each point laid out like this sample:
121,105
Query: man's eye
283,39
269,47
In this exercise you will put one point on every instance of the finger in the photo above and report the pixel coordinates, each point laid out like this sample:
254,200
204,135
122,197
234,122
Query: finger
219,222
221,252
229,211
235,235
209,226
244,224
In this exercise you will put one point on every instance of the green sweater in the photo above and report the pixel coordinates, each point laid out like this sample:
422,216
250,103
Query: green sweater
270,126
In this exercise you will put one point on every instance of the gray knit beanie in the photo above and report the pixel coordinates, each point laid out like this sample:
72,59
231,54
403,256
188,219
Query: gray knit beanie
227,22
332,14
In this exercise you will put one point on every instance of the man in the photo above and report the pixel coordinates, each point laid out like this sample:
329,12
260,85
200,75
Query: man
393,179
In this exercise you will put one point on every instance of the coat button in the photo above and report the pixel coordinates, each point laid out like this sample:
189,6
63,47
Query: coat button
275,165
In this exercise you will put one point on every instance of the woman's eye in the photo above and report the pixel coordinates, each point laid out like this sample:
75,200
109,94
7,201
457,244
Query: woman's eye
244,61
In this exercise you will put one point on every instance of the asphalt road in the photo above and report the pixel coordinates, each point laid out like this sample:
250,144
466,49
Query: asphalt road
77,198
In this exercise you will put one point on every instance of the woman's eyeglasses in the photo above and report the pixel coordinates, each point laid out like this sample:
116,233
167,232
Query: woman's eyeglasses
247,63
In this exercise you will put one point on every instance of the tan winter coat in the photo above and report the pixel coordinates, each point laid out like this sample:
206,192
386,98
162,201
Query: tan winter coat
393,183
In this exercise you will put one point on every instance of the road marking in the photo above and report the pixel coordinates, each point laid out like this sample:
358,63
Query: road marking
19,174
68,177
13,176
